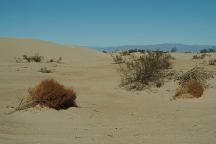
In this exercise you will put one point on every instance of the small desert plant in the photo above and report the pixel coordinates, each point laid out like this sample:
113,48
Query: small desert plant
173,50
26,58
59,60
49,93
193,82
191,89
208,50
144,70
195,74
35,58
45,70
202,56
187,52
117,58
18,60
136,50
212,62
104,51
125,53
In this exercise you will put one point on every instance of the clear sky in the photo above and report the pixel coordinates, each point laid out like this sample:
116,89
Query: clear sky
110,22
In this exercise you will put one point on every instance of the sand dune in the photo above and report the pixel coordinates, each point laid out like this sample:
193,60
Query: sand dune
11,48
108,113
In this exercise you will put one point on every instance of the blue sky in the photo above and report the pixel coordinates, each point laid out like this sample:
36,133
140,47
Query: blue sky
110,22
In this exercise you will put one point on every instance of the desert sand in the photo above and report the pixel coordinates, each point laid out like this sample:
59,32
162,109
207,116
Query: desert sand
108,114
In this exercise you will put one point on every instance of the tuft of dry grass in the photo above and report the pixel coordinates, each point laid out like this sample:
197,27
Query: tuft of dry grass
192,83
194,88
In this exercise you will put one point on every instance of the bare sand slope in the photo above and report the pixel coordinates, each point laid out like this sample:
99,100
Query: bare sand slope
108,113
12,48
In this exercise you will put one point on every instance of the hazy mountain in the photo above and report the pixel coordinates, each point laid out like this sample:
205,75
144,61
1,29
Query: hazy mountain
164,47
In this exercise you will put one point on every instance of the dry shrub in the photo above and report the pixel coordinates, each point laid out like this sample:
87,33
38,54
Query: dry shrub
144,70
54,95
193,83
45,70
52,60
191,89
195,74
212,61
202,56
35,58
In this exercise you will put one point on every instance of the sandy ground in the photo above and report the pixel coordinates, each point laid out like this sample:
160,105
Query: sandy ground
108,113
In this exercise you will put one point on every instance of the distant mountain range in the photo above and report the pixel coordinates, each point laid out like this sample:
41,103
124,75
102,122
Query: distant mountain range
163,47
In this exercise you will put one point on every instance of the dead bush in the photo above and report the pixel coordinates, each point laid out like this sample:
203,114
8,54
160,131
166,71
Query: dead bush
145,70
191,89
212,61
49,93
54,95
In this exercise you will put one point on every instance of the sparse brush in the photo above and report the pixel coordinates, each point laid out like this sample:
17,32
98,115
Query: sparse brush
45,70
49,93
212,62
199,56
117,58
59,60
35,58
192,83
18,60
145,70
124,53
195,74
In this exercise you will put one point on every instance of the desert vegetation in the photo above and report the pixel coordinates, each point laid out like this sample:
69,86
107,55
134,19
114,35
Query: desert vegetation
212,61
45,70
173,50
202,56
117,58
36,58
146,69
49,93
207,50
193,82
53,60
